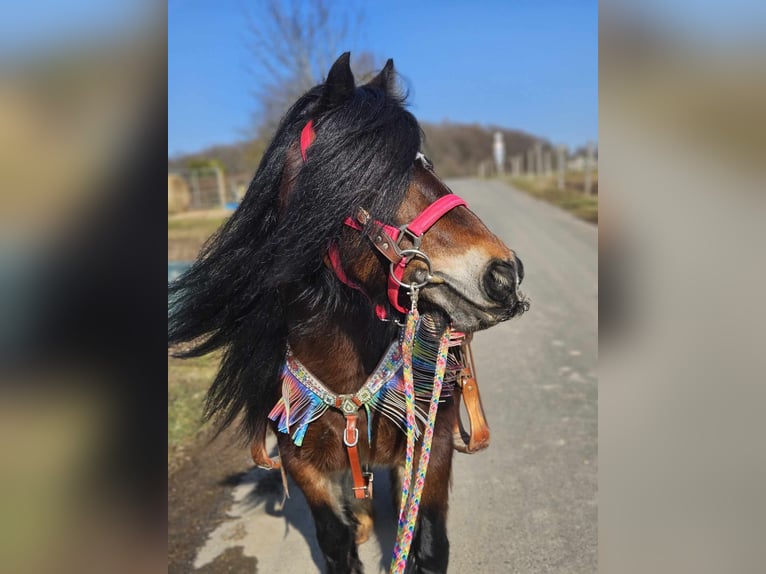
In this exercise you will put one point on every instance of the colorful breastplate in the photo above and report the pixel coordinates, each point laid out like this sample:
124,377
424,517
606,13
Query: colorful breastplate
305,399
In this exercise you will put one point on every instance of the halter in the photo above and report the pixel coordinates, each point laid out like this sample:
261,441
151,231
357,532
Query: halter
388,239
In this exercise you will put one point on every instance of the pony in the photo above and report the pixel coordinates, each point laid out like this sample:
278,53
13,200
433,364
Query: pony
300,275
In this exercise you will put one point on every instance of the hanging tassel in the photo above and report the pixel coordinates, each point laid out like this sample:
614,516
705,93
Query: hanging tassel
297,407
286,401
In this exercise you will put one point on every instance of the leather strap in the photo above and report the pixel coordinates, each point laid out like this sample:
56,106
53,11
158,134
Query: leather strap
477,437
393,286
382,240
258,451
362,480
263,460
382,236
433,213
334,256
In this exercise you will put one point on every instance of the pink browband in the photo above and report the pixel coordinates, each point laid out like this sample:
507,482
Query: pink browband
307,137
415,229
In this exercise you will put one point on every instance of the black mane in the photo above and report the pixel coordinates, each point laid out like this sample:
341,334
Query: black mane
232,296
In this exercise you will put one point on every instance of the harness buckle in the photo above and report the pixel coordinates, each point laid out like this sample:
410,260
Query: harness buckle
350,443
367,488
346,404
408,255
404,230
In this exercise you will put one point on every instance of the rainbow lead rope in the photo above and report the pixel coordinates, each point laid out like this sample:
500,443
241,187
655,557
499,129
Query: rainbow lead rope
404,536
410,504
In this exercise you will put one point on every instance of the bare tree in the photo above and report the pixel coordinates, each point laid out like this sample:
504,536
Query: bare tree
294,44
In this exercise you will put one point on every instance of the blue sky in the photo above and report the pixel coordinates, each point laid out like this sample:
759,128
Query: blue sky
530,65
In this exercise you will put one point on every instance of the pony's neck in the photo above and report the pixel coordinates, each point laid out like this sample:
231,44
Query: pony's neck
343,350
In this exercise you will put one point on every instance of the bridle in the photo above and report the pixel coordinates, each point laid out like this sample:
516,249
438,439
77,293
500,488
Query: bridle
388,239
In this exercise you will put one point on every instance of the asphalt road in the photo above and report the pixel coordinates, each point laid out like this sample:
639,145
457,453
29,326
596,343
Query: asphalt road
528,503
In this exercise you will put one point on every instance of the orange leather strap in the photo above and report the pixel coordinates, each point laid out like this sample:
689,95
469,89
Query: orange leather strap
362,480
258,451
477,437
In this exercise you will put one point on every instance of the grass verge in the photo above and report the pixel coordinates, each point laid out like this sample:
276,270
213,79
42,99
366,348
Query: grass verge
188,381
575,202
189,231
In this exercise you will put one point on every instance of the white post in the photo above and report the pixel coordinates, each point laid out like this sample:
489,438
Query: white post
498,151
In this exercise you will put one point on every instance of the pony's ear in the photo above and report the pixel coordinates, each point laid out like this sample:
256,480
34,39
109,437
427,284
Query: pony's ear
385,78
339,85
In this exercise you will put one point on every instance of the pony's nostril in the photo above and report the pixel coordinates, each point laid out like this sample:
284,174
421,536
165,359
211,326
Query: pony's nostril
500,281
520,269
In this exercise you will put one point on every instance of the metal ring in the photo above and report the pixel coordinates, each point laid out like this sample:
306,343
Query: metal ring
354,442
414,253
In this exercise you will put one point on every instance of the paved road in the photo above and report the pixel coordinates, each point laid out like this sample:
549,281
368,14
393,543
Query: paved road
528,503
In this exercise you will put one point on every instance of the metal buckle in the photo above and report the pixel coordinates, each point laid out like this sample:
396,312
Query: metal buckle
356,438
414,253
367,488
415,239
369,477
347,405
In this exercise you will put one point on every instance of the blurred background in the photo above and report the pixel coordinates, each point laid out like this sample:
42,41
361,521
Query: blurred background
681,362
82,115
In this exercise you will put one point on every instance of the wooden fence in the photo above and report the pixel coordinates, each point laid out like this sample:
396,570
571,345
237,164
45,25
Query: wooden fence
540,162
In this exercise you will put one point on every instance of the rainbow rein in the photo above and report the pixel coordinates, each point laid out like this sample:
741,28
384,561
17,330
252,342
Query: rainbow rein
409,507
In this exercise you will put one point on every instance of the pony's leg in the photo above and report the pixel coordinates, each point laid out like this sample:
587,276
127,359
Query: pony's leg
430,546
363,515
335,528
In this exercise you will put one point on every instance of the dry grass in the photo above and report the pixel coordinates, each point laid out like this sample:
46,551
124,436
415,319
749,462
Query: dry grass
571,198
187,232
188,381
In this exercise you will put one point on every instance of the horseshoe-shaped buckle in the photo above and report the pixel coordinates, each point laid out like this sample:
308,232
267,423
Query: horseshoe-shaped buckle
409,255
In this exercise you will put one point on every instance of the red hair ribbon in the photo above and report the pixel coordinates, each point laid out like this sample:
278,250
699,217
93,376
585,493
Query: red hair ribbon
307,137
